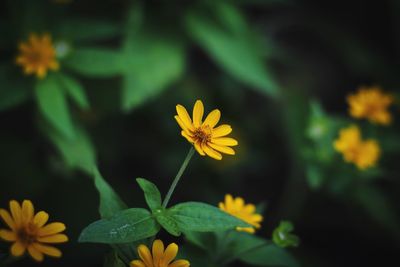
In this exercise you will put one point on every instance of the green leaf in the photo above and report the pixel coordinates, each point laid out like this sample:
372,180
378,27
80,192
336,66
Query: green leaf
78,152
112,260
152,63
235,50
75,90
200,239
53,105
168,223
124,227
83,29
110,202
282,235
151,194
201,217
257,251
95,62
13,90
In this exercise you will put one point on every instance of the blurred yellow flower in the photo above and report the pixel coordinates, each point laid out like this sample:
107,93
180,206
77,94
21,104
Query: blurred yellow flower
37,55
363,154
206,138
29,232
246,212
372,104
158,257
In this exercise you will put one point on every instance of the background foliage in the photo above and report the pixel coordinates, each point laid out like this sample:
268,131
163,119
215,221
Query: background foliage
275,68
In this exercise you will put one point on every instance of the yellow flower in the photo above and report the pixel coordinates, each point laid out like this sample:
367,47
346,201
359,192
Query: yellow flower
206,138
159,257
372,104
246,212
363,154
37,55
29,232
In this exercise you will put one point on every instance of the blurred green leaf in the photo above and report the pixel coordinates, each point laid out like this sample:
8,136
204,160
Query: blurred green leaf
13,90
110,202
77,152
83,29
151,193
202,240
152,63
53,105
125,226
168,223
112,260
95,62
315,176
282,235
201,217
234,49
75,90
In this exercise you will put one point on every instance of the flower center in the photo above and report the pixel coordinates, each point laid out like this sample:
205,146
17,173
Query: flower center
203,134
27,234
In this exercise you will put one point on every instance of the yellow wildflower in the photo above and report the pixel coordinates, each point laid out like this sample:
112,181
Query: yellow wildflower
37,55
372,104
206,138
29,232
159,257
363,154
246,212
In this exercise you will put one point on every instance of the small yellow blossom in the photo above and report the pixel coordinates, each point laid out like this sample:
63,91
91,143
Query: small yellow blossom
206,138
371,103
37,55
363,154
246,212
158,257
29,232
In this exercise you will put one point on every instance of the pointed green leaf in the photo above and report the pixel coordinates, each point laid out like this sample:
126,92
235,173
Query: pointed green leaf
151,193
53,105
95,62
201,217
168,223
124,227
110,202
74,89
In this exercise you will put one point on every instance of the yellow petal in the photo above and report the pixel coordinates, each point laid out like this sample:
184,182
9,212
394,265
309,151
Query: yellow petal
27,210
184,116
180,263
137,263
224,141
239,203
158,251
228,201
181,124
213,118
8,235
48,250
16,212
250,208
211,152
221,205
35,254
40,218
198,111
170,253
249,230
17,249
223,149
144,254
51,229
221,130
5,215
197,146
190,139
57,238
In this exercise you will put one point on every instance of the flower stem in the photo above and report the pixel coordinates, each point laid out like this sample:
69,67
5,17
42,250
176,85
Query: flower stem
178,177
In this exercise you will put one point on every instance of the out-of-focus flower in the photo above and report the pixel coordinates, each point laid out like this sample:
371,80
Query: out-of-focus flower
363,154
158,257
28,231
37,55
206,138
246,212
371,103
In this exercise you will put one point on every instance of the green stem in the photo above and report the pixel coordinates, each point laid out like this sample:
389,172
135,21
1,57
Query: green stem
178,177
